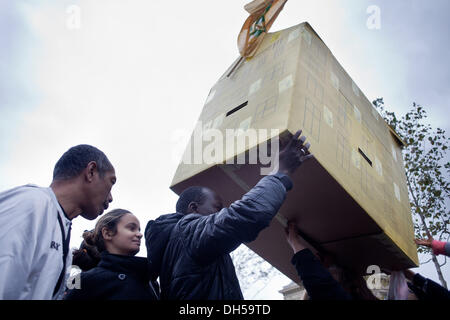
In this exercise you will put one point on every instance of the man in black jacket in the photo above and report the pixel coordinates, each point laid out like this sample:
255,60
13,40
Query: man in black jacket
424,288
189,250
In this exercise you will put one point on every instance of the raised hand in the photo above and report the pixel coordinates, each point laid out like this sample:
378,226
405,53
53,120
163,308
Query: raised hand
293,237
294,154
424,242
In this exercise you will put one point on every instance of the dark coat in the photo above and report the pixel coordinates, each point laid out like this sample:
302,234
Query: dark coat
116,278
318,281
427,289
191,253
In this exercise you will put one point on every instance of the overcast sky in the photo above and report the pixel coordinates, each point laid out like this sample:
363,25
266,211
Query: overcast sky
131,77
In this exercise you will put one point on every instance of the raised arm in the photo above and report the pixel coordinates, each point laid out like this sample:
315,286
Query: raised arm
208,237
438,247
318,281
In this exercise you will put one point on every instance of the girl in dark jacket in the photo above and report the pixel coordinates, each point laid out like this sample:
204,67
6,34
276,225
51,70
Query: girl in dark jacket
107,257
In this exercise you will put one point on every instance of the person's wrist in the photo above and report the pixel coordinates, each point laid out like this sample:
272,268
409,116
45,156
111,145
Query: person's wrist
438,247
284,171
284,179
298,247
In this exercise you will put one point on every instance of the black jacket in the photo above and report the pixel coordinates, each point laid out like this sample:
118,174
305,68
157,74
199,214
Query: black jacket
191,253
427,289
318,281
116,278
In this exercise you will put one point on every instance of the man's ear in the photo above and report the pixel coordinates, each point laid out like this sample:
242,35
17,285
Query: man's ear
192,207
90,171
107,234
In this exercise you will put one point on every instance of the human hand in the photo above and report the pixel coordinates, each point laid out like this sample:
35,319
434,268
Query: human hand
409,274
294,154
424,242
293,238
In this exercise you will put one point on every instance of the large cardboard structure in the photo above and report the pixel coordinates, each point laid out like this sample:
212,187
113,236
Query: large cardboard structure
351,200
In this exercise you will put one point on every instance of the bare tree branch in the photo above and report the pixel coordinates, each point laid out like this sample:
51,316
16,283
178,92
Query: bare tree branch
421,263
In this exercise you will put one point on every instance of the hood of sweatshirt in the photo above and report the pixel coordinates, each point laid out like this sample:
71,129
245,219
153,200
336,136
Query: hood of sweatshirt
157,235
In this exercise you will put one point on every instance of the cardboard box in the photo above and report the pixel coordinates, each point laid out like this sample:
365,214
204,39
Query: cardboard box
352,199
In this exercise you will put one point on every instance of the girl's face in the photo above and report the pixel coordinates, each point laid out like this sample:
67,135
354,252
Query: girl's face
127,240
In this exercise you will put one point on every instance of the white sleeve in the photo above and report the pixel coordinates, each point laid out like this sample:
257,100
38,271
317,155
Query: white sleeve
21,218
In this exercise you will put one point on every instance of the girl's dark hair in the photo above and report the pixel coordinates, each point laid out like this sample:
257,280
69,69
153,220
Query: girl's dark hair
88,255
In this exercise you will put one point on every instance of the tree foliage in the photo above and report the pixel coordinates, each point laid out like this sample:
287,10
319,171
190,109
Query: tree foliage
251,269
427,173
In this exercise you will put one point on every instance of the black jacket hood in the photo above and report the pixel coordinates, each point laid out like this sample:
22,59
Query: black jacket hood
157,234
